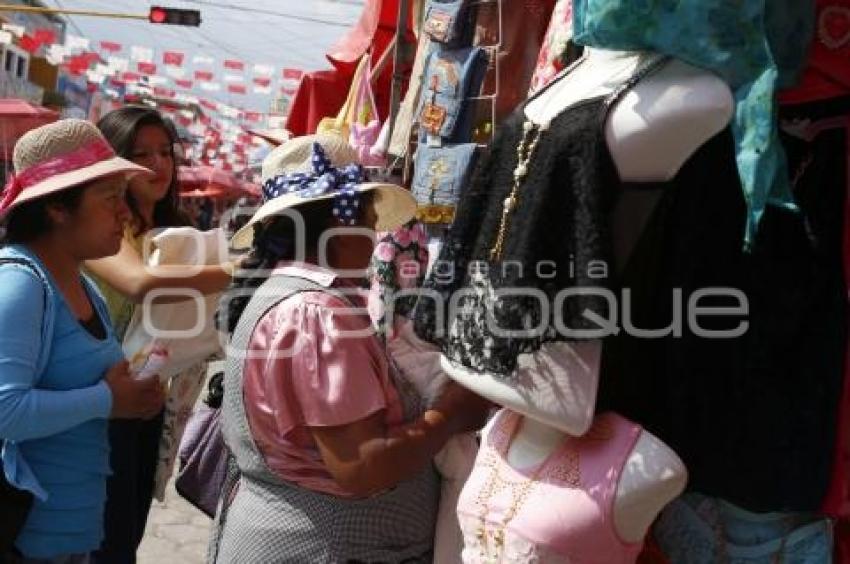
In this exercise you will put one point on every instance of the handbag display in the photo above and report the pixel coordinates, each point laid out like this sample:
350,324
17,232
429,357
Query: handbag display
440,176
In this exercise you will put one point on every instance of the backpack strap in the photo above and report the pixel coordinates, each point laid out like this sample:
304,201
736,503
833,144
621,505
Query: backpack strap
29,265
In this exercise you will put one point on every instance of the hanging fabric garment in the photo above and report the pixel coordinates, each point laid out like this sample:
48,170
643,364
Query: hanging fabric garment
756,46
523,26
827,73
555,50
561,184
753,417
695,529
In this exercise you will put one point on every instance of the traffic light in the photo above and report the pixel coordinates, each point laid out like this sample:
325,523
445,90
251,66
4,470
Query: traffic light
174,16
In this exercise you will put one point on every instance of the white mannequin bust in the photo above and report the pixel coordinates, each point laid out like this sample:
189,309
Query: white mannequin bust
651,132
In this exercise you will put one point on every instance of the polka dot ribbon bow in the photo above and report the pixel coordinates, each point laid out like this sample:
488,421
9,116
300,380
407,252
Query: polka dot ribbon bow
324,179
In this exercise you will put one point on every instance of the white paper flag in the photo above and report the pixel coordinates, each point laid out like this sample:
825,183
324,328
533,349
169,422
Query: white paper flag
73,42
16,30
104,70
119,64
211,86
175,72
264,70
141,54
234,78
156,80
202,60
262,90
5,38
55,53
96,77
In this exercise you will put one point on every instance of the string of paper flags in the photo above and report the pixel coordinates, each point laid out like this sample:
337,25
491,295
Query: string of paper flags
103,60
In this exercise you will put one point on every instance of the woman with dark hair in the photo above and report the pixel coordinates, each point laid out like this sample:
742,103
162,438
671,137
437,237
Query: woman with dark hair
141,135
62,370
334,447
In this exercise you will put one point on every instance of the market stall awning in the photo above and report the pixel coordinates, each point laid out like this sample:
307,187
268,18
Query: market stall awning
19,116
322,93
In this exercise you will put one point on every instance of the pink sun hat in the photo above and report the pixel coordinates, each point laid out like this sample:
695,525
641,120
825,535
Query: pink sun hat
58,156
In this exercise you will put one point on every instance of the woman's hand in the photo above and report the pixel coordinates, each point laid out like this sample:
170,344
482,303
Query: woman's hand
133,398
463,410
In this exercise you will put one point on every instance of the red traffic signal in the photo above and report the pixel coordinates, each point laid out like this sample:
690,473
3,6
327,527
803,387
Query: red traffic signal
174,16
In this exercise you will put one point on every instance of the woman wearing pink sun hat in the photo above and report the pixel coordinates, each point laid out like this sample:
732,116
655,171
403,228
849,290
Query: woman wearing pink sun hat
62,370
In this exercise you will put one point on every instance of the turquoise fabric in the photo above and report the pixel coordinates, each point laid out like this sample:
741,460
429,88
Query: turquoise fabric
756,46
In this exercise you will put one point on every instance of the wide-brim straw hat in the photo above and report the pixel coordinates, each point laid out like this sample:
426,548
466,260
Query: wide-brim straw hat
393,205
59,156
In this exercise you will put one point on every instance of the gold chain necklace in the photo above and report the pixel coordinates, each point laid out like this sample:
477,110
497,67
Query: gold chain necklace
495,482
525,151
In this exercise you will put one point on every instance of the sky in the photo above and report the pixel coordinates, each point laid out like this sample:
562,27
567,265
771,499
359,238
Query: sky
279,33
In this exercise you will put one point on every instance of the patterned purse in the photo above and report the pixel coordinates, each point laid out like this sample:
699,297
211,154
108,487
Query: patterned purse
439,178
450,77
446,21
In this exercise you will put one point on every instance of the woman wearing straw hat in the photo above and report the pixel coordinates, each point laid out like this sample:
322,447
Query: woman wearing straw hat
334,449
62,371
141,135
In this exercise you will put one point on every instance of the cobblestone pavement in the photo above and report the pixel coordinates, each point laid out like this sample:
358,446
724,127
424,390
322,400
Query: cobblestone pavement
177,533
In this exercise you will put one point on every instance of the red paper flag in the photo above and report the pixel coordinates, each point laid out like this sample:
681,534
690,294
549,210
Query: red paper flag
204,119
187,84
174,58
78,64
29,43
91,87
130,77
292,74
45,36
233,64
254,117
163,92
211,106
264,82
110,46
288,91
237,89
203,75
184,121
147,68
243,138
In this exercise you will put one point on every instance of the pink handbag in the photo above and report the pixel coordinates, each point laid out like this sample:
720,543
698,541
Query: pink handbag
365,128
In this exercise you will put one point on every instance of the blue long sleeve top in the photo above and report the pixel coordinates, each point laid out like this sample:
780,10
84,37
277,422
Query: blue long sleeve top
54,409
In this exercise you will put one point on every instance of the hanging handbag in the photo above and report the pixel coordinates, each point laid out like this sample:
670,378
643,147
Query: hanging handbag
447,22
203,454
15,503
365,126
341,124
440,176
451,76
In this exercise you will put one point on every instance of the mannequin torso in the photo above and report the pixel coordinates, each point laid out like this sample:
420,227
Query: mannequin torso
651,132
